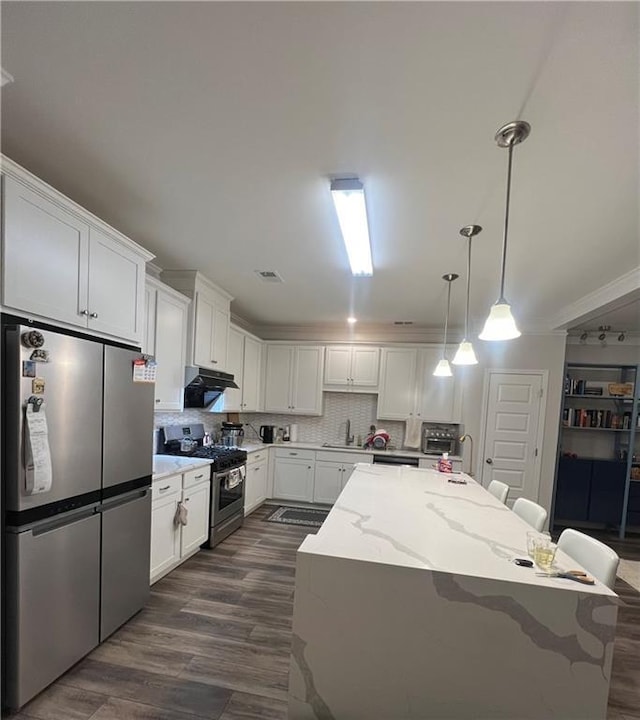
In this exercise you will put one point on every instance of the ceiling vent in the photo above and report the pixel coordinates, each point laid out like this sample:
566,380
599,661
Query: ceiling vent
403,322
270,276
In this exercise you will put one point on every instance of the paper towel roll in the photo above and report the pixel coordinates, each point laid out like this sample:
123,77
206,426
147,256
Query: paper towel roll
293,432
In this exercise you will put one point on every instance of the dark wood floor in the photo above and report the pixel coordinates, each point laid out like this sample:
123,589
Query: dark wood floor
213,642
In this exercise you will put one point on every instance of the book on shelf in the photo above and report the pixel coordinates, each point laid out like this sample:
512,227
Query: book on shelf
596,418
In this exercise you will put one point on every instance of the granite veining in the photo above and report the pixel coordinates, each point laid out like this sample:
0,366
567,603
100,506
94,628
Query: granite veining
165,465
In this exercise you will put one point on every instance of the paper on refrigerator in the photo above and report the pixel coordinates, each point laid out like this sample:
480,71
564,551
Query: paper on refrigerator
38,470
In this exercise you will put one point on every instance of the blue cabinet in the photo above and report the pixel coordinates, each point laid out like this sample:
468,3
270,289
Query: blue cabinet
572,490
607,491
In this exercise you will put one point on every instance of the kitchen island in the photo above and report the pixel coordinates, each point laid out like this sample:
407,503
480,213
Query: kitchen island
408,606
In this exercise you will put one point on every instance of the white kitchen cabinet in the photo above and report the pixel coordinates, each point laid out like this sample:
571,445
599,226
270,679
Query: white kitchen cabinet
332,471
396,398
196,531
209,314
293,379
166,333
172,544
408,387
351,367
255,485
293,475
149,330
244,354
62,263
328,482
165,537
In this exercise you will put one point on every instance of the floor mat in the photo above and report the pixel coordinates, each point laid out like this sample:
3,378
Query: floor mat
312,517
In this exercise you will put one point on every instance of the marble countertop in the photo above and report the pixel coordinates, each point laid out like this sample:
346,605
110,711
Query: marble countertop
255,446
410,517
164,465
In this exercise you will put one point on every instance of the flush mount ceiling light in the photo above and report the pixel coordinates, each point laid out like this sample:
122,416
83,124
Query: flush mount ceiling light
349,201
352,320
465,354
443,369
500,324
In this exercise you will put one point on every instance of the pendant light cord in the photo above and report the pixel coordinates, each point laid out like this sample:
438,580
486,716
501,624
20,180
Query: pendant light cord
446,320
506,223
466,312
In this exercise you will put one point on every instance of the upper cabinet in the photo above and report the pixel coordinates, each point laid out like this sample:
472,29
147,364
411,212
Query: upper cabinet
208,331
408,387
244,356
293,379
351,367
62,263
165,338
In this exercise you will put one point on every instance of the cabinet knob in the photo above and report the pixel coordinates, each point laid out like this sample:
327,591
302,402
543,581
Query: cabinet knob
157,400
93,315
84,312
215,362
489,461
308,467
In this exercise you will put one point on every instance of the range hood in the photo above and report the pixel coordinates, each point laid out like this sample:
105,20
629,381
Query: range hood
203,386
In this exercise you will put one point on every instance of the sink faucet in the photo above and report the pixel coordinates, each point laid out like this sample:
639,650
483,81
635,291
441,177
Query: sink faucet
349,438
468,437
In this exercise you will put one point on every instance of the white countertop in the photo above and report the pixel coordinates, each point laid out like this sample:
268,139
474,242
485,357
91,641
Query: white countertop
255,446
164,465
410,517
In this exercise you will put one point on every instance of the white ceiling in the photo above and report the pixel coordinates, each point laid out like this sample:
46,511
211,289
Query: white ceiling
207,131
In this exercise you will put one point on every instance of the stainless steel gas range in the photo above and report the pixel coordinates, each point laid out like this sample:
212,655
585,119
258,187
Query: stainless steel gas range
228,472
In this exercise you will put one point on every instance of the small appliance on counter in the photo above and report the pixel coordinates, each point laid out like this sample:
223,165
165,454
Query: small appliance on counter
232,434
268,433
441,438
228,471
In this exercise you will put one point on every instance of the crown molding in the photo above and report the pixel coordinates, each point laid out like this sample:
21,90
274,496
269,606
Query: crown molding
605,298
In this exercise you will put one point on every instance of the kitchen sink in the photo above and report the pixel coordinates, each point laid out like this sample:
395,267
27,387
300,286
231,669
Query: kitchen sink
342,447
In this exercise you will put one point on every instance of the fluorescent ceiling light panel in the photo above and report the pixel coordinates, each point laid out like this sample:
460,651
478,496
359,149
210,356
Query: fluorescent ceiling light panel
348,197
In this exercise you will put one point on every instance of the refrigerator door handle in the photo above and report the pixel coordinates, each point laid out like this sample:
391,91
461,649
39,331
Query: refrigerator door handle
44,526
123,499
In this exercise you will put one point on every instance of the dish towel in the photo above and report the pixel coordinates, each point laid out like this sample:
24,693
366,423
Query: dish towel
412,432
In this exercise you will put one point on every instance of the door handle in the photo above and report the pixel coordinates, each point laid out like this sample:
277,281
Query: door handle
489,461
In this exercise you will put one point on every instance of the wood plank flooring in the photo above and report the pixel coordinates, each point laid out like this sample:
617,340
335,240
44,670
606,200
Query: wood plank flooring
213,641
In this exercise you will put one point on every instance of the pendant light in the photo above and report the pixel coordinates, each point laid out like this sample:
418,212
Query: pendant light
500,324
443,369
466,354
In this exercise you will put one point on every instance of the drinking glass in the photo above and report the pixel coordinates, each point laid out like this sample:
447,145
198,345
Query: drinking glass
544,553
532,537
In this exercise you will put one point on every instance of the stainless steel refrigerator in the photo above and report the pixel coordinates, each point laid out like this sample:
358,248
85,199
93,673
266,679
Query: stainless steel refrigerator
77,435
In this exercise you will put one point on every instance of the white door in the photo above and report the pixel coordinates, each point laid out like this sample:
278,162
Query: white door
203,332
165,538
365,366
397,383
232,398
327,482
46,255
293,480
306,396
220,338
251,375
196,531
513,434
337,365
116,276
171,321
277,390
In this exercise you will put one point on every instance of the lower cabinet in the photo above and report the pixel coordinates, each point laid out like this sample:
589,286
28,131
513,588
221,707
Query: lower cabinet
255,485
332,472
589,491
293,475
170,543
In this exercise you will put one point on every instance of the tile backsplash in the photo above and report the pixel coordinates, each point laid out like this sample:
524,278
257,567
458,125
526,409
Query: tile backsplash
330,427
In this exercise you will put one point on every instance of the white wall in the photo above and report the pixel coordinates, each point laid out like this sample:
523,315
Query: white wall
528,352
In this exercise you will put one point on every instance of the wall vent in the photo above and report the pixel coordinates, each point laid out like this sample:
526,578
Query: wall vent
271,276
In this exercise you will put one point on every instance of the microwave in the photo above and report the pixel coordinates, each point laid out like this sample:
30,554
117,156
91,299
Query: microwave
436,441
